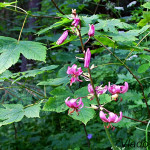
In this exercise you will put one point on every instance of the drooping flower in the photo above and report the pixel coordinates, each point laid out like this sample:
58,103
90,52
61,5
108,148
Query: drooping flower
62,38
117,89
99,90
113,118
76,106
91,30
76,21
87,58
75,73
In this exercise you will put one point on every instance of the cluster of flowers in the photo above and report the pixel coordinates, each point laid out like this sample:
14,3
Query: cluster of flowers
76,21
77,104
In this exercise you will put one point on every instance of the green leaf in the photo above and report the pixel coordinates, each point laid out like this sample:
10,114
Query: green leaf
111,25
55,82
85,114
143,68
146,5
57,103
105,98
125,78
57,24
146,16
5,4
81,92
11,113
32,50
32,111
146,57
11,50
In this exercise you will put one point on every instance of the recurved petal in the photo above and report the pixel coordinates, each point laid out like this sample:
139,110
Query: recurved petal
103,116
119,119
112,117
124,88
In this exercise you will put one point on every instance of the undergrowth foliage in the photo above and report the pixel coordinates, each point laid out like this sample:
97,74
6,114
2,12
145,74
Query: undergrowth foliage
91,73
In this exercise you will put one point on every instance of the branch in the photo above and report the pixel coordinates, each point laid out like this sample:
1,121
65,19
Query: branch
57,7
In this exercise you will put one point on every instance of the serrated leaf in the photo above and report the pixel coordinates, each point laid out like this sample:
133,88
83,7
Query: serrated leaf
11,113
111,25
85,114
11,50
143,68
57,103
33,50
32,111
57,24
55,82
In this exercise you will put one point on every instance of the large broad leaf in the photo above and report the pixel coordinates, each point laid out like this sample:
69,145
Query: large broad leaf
15,112
57,103
33,111
11,113
85,114
11,50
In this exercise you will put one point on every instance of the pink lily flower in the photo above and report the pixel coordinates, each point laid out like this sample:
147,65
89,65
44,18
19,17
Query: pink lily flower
62,38
113,118
87,58
91,30
74,73
99,90
75,22
117,89
76,106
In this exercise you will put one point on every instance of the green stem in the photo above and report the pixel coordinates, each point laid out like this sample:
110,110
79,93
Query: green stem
109,137
57,7
142,89
22,28
89,71
136,46
147,133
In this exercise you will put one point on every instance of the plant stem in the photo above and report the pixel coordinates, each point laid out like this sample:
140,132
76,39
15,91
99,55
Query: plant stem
147,133
109,137
57,7
88,141
142,89
89,71
136,46
22,28
82,45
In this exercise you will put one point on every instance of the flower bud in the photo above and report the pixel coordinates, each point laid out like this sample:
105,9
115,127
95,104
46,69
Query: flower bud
87,58
62,38
91,30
